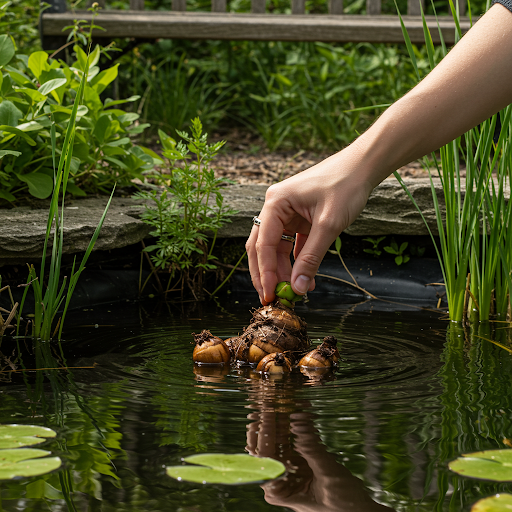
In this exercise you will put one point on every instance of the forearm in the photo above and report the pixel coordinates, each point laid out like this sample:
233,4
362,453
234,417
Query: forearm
473,82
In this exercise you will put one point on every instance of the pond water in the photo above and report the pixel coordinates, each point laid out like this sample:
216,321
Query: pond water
412,392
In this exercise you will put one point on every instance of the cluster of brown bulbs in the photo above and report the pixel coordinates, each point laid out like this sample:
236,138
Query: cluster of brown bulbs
276,340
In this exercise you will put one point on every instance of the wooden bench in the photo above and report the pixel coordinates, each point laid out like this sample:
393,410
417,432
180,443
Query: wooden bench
138,23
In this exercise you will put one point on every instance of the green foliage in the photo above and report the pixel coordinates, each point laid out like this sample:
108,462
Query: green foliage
219,468
399,251
374,250
188,209
19,20
36,94
475,242
55,295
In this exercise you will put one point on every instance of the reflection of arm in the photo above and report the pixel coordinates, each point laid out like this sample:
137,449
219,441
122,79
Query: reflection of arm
332,489
315,482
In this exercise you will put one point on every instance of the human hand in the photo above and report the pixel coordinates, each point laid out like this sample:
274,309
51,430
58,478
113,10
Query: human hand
316,205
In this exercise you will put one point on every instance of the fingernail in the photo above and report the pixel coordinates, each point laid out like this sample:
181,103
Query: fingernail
302,284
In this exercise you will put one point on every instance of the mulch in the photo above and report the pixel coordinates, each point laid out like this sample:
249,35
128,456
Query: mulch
246,162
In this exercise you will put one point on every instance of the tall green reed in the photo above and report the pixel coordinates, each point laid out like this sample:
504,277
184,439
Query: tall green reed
475,248
56,293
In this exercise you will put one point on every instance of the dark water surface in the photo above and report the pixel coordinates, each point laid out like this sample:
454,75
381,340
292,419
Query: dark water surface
412,392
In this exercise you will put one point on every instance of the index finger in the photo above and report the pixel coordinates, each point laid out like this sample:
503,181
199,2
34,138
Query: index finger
269,237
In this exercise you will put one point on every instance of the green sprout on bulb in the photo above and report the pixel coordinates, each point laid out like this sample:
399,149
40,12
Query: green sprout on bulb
286,295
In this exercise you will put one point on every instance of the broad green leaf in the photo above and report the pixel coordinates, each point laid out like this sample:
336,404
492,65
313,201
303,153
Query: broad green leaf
81,57
102,125
166,141
76,191
338,244
51,85
4,152
6,195
37,63
31,126
33,94
218,468
110,102
13,131
6,49
9,113
498,503
23,462
39,185
103,79
487,465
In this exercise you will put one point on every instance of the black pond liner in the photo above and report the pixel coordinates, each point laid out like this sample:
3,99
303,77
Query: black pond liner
383,278
408,283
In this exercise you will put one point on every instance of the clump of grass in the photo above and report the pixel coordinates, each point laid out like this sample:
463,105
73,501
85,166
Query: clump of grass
55,294
475,243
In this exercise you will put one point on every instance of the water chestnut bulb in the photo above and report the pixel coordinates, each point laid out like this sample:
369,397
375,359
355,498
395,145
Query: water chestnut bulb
324,356
274,363
286,295
210,349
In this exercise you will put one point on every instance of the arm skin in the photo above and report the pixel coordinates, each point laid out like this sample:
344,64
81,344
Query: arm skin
473,82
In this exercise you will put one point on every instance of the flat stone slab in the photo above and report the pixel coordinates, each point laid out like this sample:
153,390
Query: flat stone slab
389,212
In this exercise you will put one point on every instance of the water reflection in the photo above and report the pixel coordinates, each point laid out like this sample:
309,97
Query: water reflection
283,428
406,399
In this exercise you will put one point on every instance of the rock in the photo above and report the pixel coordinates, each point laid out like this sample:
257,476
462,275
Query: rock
389,212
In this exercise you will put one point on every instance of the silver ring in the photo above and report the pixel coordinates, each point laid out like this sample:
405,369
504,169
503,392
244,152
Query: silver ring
257,222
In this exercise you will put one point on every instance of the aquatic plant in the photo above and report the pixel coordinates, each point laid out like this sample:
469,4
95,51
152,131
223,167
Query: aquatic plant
475,244
55,294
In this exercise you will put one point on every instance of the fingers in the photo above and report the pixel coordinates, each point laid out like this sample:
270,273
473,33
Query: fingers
309,255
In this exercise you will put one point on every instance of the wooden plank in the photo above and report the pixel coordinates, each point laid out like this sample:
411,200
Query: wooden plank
298,7
136,5
179,5
258,6
335,6
413,7
463,6
257,27
373,7
219,5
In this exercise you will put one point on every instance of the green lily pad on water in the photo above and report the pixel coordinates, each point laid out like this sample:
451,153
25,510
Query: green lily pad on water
493,465
498,503
220,468
23,462
16,436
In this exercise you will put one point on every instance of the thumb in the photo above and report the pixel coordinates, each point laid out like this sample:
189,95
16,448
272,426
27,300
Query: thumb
309,259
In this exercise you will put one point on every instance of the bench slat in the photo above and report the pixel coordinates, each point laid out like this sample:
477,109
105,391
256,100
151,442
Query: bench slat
258,6
136,5
298,7
219,5
258,27
373,7
335,6
177,5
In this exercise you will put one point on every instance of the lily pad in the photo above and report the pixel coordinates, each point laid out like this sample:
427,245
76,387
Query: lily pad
498,503
19,462
15,436
219,468
493,465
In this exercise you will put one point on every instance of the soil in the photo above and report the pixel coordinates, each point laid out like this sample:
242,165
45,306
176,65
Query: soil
246,162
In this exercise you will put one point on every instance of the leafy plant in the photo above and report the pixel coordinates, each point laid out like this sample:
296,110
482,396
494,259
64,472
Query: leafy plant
374,250
219,468
35,97
188,210
53,296
399,251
